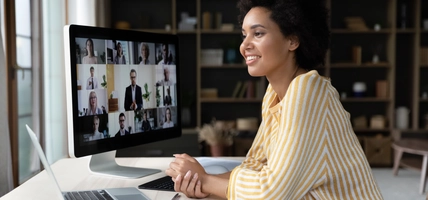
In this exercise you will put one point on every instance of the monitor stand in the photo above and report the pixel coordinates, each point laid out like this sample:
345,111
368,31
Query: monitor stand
105,164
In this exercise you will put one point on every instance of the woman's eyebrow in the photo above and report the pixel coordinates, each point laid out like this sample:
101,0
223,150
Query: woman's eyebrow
254,26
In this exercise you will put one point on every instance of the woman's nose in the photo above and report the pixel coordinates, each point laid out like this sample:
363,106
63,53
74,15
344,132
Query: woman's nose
246,43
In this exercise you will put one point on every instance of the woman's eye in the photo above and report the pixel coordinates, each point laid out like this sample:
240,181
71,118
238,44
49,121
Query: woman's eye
243,37
258,34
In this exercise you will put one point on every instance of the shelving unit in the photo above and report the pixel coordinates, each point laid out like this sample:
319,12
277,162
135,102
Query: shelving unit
343,71
196,76
399,56
418,38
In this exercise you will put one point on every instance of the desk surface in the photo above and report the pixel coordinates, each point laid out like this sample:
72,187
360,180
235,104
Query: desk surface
74,174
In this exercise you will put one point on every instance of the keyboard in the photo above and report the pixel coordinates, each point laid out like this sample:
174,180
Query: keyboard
164,183
88,195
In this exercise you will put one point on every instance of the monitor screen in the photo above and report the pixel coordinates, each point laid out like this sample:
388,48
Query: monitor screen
123,88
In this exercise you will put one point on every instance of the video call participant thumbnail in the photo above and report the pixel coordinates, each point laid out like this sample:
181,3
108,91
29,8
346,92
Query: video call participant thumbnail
122,131
133,94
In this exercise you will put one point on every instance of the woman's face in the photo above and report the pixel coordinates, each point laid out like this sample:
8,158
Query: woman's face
93,100
264,47
168,115
89,47
144,51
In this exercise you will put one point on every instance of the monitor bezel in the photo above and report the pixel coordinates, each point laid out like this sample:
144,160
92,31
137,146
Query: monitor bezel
78,148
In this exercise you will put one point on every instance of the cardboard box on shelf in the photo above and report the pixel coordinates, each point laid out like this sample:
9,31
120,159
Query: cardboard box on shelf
424,55
381,88
356,54
209,92
377,122
212,57
378,150
360,122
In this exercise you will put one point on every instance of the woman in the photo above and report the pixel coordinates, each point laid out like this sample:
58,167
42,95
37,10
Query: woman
305,147
90,57
168,122
96,135
145,52
119,59
93,107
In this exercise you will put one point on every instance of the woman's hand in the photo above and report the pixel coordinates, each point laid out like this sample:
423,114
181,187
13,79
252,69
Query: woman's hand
189,185
182,164
187,174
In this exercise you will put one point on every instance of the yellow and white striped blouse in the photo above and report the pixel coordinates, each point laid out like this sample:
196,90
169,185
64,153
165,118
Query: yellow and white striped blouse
305,148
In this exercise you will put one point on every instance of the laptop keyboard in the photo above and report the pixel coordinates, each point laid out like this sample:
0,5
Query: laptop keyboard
88,195
164,183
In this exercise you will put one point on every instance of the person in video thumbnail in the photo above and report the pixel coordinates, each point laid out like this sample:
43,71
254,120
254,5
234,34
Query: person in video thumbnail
166,81
146,124
133,94
120,58
90,57
92,82
168,121
122,131
145,52
167,100
305,147
166,57
96,135
93,105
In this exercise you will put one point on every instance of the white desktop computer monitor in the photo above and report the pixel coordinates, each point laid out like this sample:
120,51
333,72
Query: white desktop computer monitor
123,90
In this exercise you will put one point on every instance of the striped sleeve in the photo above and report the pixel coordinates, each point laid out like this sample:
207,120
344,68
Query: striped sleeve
295,152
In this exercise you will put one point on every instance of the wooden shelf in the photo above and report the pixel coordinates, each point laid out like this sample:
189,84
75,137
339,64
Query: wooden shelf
417,131
364,99
424,31
155,31
369,130
370,31
189,130
225,66
167,32
186,32
363,65
424,66
230,100
410,30
214,31
423,100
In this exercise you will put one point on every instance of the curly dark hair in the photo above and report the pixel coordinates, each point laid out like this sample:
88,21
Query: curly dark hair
305,19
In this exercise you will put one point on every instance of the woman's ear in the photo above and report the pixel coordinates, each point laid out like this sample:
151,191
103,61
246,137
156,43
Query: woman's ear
294,43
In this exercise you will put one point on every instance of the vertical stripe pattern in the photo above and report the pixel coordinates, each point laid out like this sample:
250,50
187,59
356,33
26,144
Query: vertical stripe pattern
305,148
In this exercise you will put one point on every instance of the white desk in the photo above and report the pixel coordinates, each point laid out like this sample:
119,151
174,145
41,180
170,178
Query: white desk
74,174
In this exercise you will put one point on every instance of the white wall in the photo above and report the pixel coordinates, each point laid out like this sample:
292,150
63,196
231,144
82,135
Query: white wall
54,79
82,12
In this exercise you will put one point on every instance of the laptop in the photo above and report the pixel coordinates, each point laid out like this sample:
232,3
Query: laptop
129,193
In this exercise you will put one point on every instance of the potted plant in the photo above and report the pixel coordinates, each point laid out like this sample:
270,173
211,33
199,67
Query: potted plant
104,83
146,95
217,134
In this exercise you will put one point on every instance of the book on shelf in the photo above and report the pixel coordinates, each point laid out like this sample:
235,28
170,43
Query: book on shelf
250,89
237,89
243,89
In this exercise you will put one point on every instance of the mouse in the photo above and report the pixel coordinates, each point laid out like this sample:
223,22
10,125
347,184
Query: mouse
215,169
